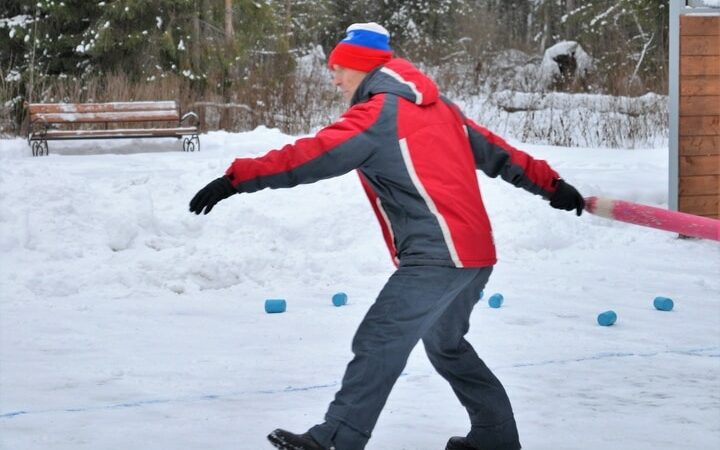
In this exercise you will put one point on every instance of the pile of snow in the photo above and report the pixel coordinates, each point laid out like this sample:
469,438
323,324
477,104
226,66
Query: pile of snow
550,70
124,319
516,70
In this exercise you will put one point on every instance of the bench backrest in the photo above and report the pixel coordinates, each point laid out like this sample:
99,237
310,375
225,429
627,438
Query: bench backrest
164,111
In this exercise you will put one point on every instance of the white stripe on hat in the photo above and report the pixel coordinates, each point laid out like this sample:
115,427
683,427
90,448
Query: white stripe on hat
405,150
410,84
370,26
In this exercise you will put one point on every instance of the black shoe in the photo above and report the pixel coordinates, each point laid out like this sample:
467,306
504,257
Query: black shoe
459,443
286,440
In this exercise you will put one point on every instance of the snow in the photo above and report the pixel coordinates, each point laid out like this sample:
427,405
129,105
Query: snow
124,319
584,61
308,64
13,75
16,21
603,15
706,3
535,101
577,120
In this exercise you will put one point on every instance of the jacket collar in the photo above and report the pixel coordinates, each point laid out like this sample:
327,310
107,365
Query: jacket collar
399,77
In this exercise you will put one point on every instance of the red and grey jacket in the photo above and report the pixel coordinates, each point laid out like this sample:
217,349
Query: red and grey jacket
416,155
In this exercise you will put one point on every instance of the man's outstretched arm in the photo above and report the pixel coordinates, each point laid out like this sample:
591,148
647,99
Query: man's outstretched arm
494,156
333,151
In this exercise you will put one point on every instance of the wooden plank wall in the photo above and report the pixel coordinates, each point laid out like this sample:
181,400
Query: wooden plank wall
699,124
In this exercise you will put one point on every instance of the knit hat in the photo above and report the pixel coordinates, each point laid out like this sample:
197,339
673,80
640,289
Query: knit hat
366,46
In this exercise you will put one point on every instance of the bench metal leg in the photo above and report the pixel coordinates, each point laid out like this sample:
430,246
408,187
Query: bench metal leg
40,147
192,143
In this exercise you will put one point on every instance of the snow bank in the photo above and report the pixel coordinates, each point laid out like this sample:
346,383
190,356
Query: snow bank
576,120
125,320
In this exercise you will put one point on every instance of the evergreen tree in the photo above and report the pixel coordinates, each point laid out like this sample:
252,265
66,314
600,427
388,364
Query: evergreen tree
46,40
427,29
13,33
142,37
221,47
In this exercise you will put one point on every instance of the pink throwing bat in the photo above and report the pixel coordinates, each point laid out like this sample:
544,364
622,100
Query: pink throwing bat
650,216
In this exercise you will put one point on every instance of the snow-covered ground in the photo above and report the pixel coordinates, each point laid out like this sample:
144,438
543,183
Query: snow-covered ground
126,322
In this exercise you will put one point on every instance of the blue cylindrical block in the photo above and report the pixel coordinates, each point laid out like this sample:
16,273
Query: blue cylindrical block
481,295
663,303
495,300
607,318
339,299
275,305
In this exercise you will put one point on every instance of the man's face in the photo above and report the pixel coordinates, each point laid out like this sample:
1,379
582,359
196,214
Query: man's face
347,80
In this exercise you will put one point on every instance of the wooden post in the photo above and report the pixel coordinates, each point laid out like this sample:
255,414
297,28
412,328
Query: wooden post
699,115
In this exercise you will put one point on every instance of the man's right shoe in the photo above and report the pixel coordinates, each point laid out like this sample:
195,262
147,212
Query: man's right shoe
459,443
286,440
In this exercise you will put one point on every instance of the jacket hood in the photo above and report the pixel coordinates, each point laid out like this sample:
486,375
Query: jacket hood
399,77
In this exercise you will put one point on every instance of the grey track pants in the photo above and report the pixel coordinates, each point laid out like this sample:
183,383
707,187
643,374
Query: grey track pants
433,304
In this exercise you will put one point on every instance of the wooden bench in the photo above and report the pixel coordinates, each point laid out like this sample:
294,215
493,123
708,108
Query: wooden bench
45,119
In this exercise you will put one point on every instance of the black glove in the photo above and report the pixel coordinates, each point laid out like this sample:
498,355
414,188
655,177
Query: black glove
207,197
567,197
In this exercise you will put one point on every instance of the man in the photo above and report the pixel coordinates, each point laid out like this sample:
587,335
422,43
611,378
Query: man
416,155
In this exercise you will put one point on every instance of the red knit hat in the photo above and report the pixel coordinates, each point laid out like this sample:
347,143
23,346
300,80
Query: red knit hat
366,46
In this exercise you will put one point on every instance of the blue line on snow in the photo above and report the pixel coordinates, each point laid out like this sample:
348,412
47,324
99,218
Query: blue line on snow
13,414
711,352
140,403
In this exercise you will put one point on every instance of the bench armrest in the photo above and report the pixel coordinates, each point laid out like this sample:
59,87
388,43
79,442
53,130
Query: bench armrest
38,127
190,115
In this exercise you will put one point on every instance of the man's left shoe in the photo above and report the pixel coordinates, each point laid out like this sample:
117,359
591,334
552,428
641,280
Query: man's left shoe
286,440
459,443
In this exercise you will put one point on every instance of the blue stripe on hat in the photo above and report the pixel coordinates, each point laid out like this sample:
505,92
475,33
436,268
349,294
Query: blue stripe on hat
367,38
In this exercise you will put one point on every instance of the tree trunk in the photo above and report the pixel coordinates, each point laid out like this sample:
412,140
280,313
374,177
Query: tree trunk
546,26
229,31
197,39
570,23
288,20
